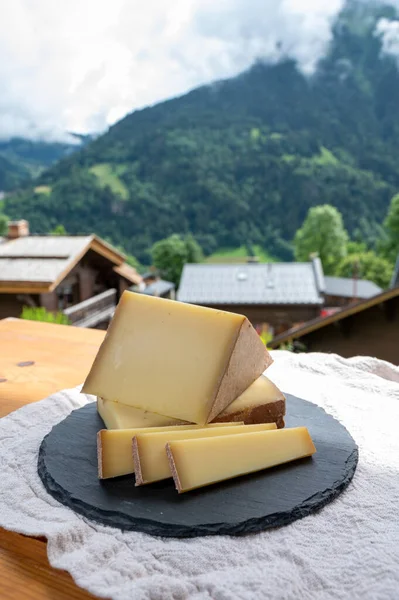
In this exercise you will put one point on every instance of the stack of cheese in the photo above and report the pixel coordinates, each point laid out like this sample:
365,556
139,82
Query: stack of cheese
180,386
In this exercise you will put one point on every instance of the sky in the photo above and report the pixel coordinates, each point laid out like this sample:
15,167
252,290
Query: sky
81,65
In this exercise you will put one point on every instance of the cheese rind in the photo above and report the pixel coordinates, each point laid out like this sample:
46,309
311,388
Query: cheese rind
114,448
150,459
199,462
183,361
248,359
262,402
121,416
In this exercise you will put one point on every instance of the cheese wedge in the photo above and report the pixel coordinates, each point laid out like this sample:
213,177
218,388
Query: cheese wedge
179,360
150,459
120,416
198,462
114,448
262,402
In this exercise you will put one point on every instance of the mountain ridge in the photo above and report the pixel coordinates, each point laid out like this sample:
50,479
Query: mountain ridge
22,160
240,161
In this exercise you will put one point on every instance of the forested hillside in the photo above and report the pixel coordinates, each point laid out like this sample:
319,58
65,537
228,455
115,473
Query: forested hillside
241,161
22,160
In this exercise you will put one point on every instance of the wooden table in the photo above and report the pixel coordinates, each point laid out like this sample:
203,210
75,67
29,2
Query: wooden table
61,357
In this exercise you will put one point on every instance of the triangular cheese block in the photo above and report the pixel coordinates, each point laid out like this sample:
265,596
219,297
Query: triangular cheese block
176,359
262,402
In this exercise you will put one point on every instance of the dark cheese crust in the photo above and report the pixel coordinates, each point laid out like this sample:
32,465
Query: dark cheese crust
173,468
280,423
100,454
137,463
271,412
249,358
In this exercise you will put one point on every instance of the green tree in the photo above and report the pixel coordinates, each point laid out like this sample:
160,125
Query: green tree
58,230
391,224
3,224
323,233
356,247
194,250
366,265
171,254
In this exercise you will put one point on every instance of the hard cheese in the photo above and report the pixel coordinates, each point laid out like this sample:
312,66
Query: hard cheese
262,402
175,359
114,448
150,459
198,462
120,416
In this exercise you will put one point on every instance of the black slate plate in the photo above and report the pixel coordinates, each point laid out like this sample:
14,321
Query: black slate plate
67,466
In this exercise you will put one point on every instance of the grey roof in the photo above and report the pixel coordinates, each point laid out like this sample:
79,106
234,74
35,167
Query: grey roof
159,288
395,275
39,259
271,283
347,288
33,269
59,246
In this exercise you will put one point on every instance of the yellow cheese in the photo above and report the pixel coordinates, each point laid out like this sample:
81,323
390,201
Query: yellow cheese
179,360
262,402
150,460
114,448
120,416
198,462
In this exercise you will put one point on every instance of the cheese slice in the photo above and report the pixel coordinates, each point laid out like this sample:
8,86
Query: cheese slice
198,462
179,360
262,402
120,416
114,448
150,459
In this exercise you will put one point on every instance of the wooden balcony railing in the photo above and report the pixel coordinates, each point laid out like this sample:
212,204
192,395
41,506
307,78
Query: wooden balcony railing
95,310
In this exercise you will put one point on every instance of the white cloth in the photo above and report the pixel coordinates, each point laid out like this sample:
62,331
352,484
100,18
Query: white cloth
348,550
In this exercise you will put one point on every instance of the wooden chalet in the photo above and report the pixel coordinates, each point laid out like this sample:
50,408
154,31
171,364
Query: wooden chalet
82,276
369,327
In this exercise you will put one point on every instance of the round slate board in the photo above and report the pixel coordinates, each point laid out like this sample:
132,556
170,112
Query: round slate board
67,465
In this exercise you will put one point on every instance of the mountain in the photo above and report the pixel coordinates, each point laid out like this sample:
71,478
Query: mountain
21,159
12,174
241,161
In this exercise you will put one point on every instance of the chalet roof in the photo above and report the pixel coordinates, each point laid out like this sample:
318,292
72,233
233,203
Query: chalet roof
39,263
31,269
128,272
268,283
314,324
58,247
348,288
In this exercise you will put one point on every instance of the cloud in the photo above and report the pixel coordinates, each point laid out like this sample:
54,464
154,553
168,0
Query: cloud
83,64
388,32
